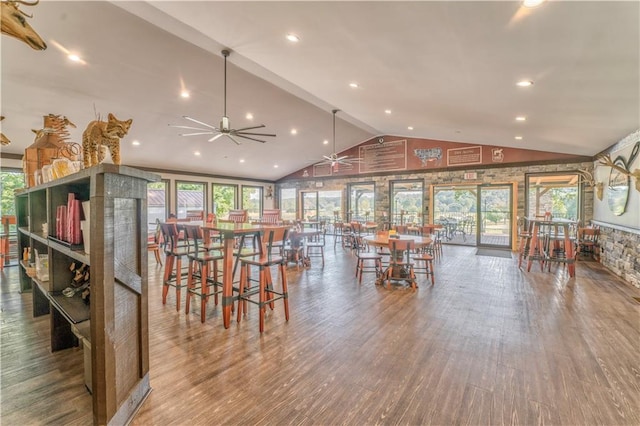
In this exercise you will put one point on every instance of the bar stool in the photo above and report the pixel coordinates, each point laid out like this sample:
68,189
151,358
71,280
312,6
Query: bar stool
202,257
174,249
267,295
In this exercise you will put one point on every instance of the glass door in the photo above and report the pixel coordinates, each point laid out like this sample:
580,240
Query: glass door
495,215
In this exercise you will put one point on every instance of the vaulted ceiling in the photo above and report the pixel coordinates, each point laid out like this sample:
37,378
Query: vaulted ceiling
447,69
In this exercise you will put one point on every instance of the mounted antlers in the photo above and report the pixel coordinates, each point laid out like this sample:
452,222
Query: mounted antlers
3,139
605,160
15,25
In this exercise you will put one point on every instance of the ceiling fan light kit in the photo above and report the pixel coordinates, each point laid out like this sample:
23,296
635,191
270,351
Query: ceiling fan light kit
225,124
333,158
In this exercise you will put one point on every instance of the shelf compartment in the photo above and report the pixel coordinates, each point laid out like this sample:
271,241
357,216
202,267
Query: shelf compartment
64,248
72,308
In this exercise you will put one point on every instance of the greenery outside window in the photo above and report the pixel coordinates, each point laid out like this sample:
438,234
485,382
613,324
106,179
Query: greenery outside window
224,198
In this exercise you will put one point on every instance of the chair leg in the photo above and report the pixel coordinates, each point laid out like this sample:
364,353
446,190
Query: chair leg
167,276
243,283
285,292
178,281
190,286
204,290
262,300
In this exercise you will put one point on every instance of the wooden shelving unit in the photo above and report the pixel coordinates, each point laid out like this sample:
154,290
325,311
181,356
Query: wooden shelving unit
116,321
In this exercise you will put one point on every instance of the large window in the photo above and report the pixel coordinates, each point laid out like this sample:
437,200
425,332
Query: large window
361,202
252,201
189,196
288,203
10,180
406,202
224,199
157,201
557,193
321,205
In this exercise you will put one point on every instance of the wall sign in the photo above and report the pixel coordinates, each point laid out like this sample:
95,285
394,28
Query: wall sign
383,157
464,156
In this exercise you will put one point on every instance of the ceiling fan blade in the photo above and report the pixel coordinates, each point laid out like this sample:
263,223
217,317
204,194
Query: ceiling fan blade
215,137
253,134
232,138
175,126
251,128
342,158
195,133
326,158
247,137
200,122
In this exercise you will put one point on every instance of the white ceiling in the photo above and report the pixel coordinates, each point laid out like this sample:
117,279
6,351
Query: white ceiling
446,68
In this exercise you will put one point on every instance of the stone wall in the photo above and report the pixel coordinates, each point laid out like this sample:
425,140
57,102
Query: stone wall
620,252
446,177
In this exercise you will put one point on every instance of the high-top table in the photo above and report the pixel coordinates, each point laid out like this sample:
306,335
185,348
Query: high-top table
229,231
550,241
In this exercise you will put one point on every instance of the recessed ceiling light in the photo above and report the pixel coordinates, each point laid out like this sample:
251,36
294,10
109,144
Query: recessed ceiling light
294,132
293,38
518,138
197,153
275,166
73,57
354,85
135,143
532,3
185,94
524,83
242,160
326,142
387,111
521,118
249,116
410,127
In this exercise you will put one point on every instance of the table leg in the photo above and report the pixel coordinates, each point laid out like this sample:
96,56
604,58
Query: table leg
227,281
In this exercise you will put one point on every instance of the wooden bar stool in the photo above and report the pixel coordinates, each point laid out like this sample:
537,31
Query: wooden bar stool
174,249
267,295
203,269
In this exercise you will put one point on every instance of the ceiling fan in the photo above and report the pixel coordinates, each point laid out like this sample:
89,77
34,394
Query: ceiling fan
333,159
225,126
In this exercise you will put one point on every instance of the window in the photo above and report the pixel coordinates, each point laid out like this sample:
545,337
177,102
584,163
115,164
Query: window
555,193
157,201
406,202
11,180
361,202
321,205
252,201
288,203
224,199
189,196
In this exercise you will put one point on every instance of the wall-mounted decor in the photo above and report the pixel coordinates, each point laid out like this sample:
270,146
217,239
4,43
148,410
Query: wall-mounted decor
385,157
15,25
3,139
464,156
619,179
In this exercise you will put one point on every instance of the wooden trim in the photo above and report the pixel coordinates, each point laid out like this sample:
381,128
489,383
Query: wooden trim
201,175
616,227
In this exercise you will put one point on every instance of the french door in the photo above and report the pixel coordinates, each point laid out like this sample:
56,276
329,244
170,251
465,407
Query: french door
495,215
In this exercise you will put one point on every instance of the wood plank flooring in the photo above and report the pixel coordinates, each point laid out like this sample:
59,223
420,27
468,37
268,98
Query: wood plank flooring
488,344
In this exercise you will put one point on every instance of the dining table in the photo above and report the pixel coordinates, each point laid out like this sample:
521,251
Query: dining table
381,239
229,232
551,240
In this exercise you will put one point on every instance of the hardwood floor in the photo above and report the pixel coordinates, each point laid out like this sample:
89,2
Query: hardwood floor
488,344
